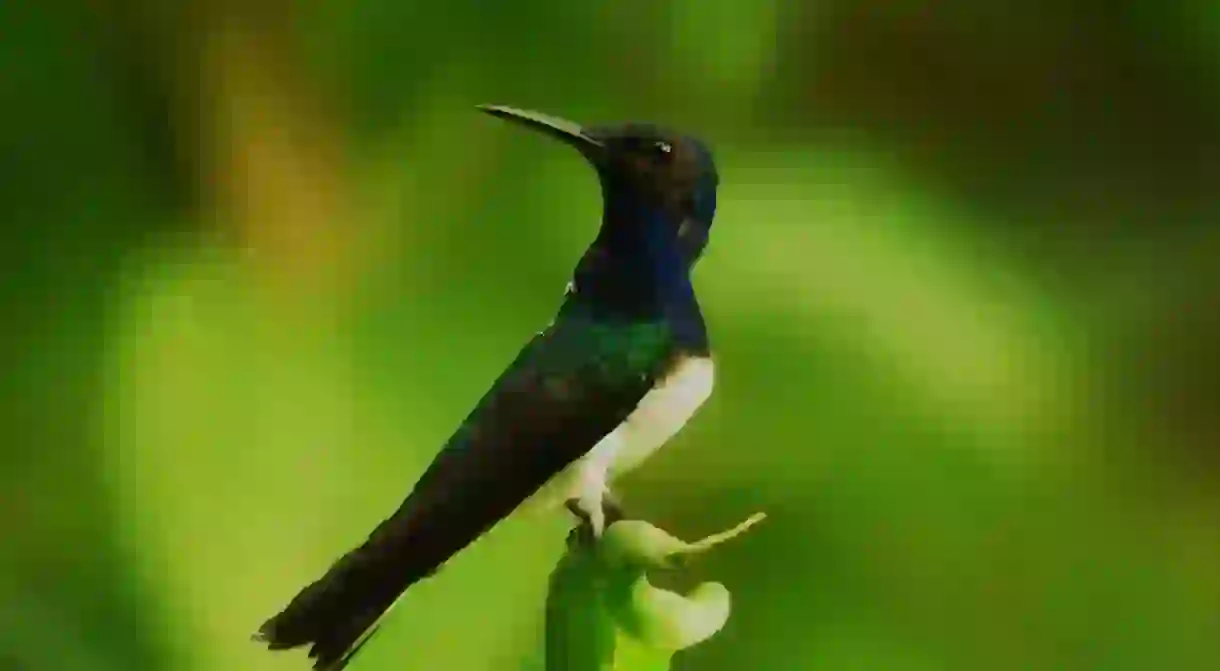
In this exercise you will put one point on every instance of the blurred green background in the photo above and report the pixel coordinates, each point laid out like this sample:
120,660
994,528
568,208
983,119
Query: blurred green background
261,257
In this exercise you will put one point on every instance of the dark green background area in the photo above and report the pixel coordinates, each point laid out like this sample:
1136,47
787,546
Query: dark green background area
259,258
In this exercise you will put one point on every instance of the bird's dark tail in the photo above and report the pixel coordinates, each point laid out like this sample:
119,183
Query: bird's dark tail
336,615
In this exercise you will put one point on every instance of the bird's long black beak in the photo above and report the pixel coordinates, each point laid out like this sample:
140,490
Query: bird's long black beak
572,134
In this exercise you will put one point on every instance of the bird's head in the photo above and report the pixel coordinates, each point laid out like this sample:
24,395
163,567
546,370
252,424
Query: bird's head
642,166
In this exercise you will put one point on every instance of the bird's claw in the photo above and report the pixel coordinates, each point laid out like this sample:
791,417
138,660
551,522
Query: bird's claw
594,517
582,533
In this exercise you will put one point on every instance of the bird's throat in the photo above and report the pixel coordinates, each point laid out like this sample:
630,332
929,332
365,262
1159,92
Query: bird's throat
636,258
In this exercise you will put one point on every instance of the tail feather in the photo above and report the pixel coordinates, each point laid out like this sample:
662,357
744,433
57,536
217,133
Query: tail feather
500,459
337,614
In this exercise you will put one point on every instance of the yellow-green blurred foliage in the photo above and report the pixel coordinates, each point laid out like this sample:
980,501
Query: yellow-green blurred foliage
260,258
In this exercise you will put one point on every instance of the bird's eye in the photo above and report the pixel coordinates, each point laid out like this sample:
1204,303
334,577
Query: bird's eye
663,149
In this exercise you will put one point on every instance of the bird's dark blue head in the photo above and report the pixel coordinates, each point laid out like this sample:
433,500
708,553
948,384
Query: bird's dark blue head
647,173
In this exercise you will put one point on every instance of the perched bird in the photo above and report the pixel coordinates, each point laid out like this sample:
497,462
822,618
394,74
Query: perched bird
618,372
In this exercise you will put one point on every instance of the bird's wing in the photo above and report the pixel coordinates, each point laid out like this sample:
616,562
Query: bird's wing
572,385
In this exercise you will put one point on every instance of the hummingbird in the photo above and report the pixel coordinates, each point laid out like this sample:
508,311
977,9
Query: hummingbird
618,371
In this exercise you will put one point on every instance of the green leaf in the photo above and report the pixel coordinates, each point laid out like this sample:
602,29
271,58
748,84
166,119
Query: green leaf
604,615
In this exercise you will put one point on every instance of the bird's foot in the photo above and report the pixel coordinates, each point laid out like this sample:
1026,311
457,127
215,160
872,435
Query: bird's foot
595,516
588,497
582,533
612,508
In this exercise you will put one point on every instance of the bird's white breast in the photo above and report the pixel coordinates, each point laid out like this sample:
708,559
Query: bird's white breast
660,414
657,417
